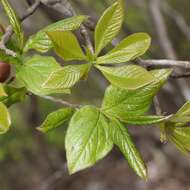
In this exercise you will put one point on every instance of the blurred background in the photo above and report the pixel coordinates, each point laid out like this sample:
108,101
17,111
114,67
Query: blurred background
33,161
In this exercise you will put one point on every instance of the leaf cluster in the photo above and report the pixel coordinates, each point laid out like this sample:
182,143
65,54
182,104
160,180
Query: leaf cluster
92,131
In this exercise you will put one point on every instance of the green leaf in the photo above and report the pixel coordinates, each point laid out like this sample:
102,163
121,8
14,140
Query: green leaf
124,141
90,57
35,71
67,76
56,119
178,145
180,136
2,91
122,103
14,21
66,45
108,26
130,48
14,95
41,41
128,76
87,139
184,132
145,120
182,116
184,110
5,120
8,58
180,120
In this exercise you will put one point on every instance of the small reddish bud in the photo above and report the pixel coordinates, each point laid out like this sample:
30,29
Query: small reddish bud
5,70
2,29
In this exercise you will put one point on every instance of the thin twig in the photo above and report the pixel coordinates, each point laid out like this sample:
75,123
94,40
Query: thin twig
9,31
5,38
60,101
165,63
157,106
31,10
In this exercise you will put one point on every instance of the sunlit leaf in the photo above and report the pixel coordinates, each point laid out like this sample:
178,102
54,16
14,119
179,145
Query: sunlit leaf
128,49
88,139
145,120
180,136
41,41
14,95
124,141
108,26
184,110
182,116
66,45
5,120
128,76
35,71
122,103
56,119
67,76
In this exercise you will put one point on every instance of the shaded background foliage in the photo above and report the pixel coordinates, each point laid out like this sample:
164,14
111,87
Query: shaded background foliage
30,160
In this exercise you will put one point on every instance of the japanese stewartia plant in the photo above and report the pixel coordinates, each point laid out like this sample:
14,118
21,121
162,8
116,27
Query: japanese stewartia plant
92,131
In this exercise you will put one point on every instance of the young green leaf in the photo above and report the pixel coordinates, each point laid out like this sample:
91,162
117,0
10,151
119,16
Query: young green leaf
129,76
90,57
14,21
179,145
5,120
56,119
180,136
182,116
180,120
87,139
67,76
66,45
35,71
2,91
145,120
108,26
130,48
184,110
41,42
183,132
14,95
122,103
124,141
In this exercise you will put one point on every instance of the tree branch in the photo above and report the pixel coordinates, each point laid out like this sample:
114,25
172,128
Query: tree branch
165,63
